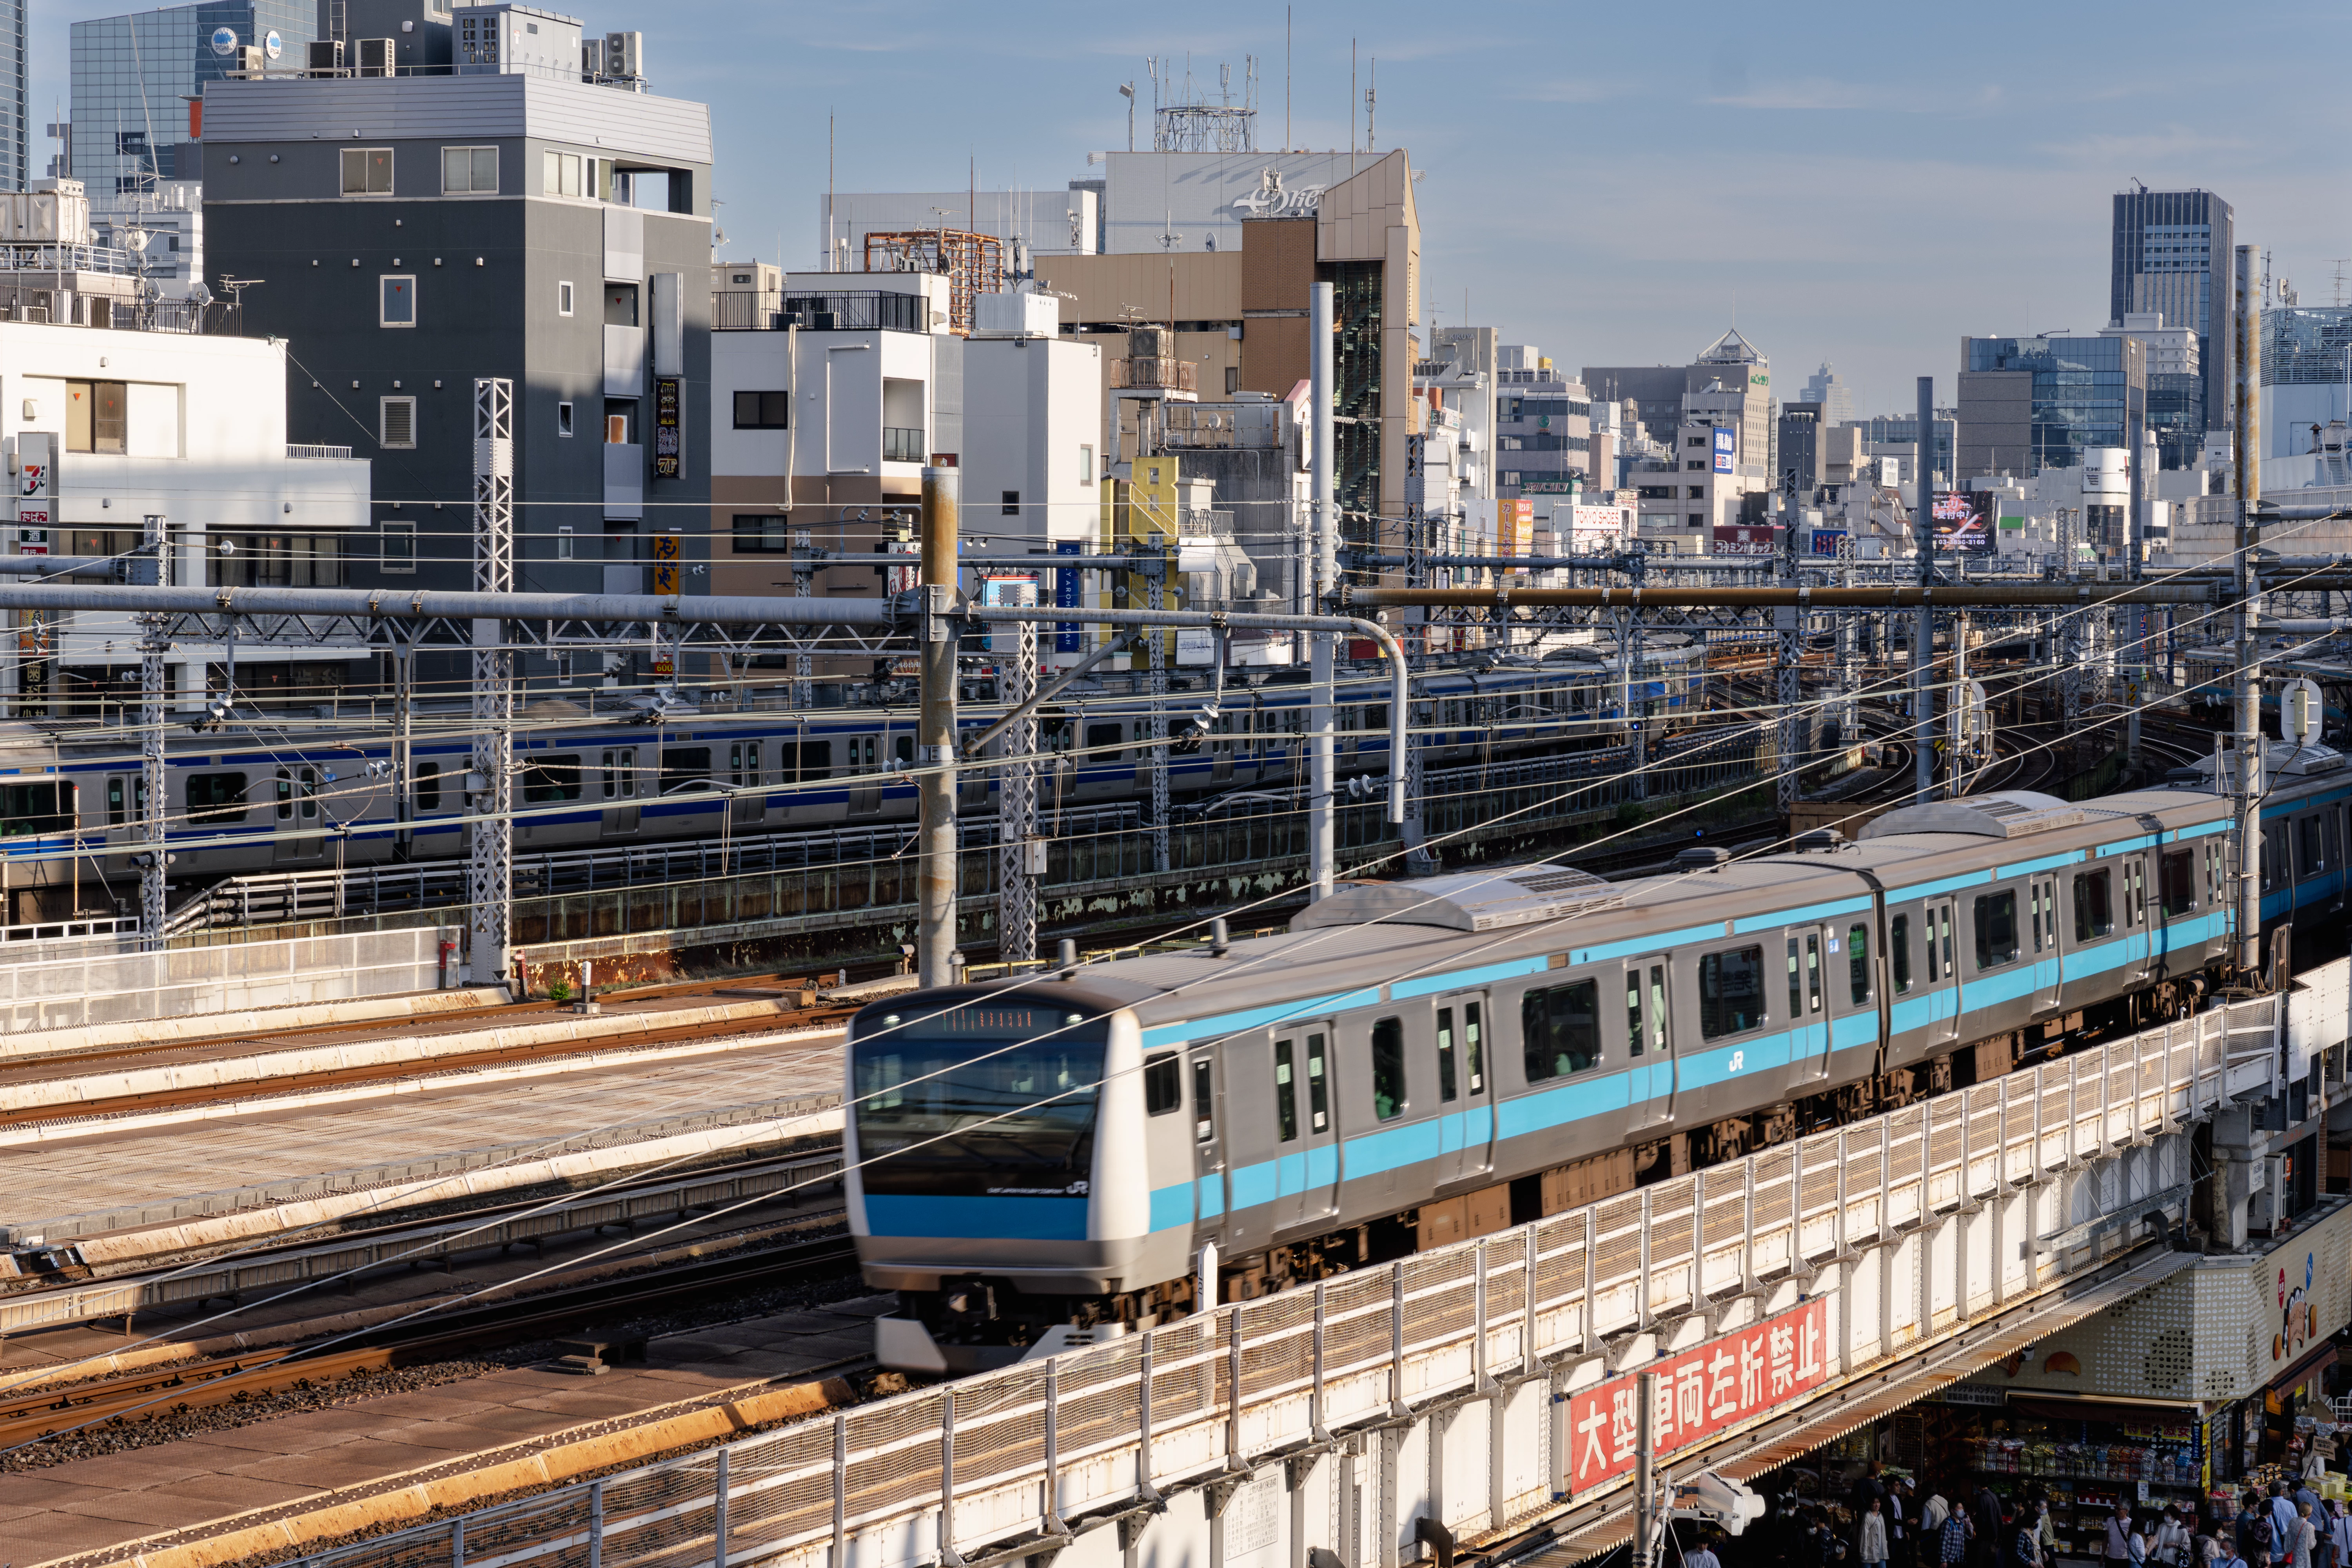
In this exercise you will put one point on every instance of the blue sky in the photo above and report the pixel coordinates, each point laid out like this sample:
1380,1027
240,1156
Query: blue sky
1615,184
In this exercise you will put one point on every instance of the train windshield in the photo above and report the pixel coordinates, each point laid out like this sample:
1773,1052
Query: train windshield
990,1101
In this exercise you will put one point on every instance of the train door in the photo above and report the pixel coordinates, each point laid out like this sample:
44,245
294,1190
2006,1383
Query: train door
1465,1110
1942,971
866,780
1805,953
2041,922
1205,1100
2131,875
1305,1118
1649,1040
126,805
618,768
296,815
1221,749
749,801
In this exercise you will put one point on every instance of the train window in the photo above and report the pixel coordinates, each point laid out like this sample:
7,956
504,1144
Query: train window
30,808
1472,1051
2213,870
1658,1008
1376,718
550,778
1561,1030
1634,1038
2094,913
2310,856
310,793
285,796
1939,944
117,788
1898,950
2273,856
1164,1090
1857,963
2135,892
1102,743
2033,901
1996,917
1388,1068
1730,992
1204,1099
814,760
1448,1084
428,787
684,768
903,748
1318,1087
1812,972
1285,1094
1796,984
2177,883
216,797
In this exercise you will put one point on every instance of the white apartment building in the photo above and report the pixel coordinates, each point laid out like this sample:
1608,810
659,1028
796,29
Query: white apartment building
2171,351
101,428
1033,418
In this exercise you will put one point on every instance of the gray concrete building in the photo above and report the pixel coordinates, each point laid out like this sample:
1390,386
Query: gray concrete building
408,234
2172,253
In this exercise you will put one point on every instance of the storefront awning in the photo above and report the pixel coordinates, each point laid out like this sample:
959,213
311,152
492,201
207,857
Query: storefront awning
1743,1456
2047,1406
2297,1373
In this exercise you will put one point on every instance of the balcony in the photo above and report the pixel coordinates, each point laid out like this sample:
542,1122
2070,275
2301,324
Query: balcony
849,310
1153,374
902,445
329,454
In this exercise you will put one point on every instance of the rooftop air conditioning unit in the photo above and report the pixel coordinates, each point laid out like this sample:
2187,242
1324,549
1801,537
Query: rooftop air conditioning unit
375,56
249,61
326,57
592,59
625,54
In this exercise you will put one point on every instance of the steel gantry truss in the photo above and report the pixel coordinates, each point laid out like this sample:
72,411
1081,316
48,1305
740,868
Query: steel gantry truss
489,857
1018,848
153,568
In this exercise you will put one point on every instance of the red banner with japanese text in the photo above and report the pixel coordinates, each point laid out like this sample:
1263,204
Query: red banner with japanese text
1701,1392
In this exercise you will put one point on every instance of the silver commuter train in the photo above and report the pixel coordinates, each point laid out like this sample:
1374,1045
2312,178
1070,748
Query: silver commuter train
1416,1062
259,797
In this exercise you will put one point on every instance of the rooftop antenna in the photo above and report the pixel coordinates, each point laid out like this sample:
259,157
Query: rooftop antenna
829,245
1286,142
1372,105
1351,107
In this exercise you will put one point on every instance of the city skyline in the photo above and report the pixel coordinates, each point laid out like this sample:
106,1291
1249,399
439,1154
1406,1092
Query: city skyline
1728,177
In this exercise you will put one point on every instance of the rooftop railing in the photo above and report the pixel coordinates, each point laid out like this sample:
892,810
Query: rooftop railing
841,310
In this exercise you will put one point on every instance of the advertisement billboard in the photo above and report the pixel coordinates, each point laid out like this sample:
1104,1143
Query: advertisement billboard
1746,539
1725,448
1827,539
1514,526
1962,520
1708,1389
1597,530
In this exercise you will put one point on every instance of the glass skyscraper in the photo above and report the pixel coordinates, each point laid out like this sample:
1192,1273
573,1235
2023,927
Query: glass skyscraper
15,132
134,75
2030,404
2173,252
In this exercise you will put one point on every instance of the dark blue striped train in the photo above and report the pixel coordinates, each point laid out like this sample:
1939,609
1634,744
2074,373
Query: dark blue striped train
1416,1062
256,795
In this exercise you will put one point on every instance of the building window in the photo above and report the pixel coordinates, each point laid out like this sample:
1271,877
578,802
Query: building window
563,174
763,410
1012,503
563,419
563,544
563,298
399,546
761,533
616,429
367,171
470,170
1698,520
396,422
1233,379
398,304
96,418
620,304
1698,492
1086,465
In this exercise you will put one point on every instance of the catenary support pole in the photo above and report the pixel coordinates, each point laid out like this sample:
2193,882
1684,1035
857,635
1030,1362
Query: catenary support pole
490,862
1156,720
154,567
1923,629
1323,527
935,787
2246,685
1787,620
1016,806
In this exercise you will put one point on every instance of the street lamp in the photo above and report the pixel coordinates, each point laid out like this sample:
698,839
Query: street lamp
1127,91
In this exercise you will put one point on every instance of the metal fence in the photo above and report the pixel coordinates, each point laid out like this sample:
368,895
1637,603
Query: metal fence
124,987
1007,1457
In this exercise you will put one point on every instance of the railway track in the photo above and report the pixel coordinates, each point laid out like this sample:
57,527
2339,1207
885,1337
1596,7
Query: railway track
428,1337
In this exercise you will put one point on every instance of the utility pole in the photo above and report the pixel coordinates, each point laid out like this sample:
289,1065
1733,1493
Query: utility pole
154,567
935,938
1645,1469
1923,630
2246,686
1322,848
404,703
1787,620
489,861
